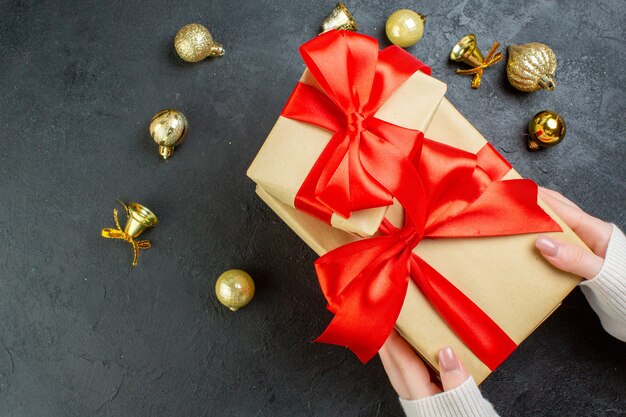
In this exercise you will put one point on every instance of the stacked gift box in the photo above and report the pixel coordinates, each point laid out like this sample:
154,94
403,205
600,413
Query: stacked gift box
419,222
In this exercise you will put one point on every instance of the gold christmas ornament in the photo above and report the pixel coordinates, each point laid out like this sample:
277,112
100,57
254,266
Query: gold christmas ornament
405,27
193,43
340,19
168,129
466,50
234,288
138,219
531,67
546,129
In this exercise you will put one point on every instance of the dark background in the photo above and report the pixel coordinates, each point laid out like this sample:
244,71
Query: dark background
82,333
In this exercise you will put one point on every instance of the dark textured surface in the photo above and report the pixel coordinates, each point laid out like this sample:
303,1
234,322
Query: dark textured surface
82,334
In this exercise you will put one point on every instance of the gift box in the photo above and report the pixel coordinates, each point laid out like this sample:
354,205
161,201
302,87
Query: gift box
481,295
293,146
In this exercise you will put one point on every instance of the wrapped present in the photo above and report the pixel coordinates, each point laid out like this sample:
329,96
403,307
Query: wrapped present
453,260
394,98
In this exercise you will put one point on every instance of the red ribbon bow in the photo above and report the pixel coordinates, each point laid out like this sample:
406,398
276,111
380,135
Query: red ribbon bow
445,192
356,79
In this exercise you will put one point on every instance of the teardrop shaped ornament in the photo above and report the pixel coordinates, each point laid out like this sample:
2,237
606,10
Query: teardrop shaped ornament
531,67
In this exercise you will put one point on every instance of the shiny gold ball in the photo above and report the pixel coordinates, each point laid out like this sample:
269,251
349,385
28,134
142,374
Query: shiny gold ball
405,27
194,42
168,129
234,288
546,129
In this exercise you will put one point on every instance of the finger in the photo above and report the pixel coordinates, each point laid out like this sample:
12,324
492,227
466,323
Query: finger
393,373
557,195
404,365
452,371
414,373
569,258
593,231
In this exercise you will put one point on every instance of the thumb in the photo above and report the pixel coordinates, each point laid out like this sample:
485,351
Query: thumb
452,371
569,258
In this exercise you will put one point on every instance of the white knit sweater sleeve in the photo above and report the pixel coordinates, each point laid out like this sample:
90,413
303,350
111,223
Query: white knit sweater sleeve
463,401
606,292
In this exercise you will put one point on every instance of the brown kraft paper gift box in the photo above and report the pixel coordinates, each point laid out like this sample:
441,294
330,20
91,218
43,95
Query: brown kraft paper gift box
504,275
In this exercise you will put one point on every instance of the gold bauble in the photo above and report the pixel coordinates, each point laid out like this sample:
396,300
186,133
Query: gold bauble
194,42
234,288
405,27
168,129
546,129
531,67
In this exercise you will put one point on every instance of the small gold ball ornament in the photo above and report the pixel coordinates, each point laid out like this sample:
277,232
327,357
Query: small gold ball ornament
234,288
194,42
168,129
405,27
546,129
531,67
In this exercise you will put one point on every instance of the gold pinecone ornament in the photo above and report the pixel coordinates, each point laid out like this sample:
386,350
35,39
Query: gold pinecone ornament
531,67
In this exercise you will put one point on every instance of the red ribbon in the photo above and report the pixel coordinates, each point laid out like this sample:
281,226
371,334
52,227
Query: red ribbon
356,79
445,192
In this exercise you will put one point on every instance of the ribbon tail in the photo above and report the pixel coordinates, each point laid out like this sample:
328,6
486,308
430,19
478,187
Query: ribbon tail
491,58
117,221
135,252
473,326
370,307
505,208
109,233
470,71
476,80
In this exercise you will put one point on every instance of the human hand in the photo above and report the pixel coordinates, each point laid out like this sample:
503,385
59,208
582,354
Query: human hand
410,377
594,232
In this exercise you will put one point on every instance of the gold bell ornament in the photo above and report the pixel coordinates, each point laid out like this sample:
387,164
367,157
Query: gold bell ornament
531,67
193,43
546,129
340,19
234,288
168,129
405,27
138,219
466,51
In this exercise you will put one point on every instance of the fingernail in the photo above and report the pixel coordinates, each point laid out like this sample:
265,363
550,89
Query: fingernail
448,360
547,246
